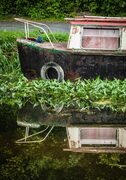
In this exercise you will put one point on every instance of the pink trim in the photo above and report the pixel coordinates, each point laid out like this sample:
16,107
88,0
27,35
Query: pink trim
99,22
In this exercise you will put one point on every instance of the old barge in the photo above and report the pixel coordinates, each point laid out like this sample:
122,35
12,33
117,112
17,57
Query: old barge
96,47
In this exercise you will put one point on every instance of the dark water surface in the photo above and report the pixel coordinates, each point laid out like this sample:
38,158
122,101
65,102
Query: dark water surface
48,160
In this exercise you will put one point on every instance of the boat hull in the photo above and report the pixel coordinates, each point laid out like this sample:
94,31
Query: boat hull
74,64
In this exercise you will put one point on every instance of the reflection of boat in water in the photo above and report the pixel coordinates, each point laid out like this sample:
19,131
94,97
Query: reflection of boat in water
96,139
94,132
96,47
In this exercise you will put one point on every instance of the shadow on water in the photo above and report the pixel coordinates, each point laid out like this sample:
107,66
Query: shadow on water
47,160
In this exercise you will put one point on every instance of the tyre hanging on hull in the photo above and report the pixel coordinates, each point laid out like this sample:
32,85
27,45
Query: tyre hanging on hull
52,70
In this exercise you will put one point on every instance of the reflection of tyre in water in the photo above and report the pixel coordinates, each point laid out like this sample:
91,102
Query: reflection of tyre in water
58,107
52,70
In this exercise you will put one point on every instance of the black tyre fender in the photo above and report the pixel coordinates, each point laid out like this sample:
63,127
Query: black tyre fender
55,67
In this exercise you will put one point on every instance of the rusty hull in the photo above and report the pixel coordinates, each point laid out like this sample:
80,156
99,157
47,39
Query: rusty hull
75,63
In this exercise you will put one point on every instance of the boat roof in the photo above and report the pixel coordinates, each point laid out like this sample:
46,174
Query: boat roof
98,20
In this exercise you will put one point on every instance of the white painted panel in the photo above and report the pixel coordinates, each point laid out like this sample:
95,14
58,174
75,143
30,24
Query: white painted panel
99,141
75,38
123,45
73,137
122,137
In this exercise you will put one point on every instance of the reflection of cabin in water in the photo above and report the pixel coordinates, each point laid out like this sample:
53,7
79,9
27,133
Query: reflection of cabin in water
99,131
96,139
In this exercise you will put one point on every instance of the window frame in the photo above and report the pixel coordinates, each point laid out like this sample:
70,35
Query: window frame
99,27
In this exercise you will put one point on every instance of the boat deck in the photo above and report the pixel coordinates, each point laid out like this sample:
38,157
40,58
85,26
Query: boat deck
62,46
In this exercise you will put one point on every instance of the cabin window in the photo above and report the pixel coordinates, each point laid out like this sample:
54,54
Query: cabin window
100,38
98,136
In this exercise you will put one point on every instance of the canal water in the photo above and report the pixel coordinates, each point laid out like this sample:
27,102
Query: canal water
47,160
14,25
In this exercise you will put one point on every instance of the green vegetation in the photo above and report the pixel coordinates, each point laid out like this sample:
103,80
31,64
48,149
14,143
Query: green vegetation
58,9
16,90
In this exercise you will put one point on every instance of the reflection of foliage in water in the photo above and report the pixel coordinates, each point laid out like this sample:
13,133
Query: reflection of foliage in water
113,160
47,160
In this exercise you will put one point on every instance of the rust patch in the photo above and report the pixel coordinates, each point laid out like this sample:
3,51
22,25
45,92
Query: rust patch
75,30
72,75
31,74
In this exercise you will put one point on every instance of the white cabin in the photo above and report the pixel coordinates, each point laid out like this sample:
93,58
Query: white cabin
97,33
